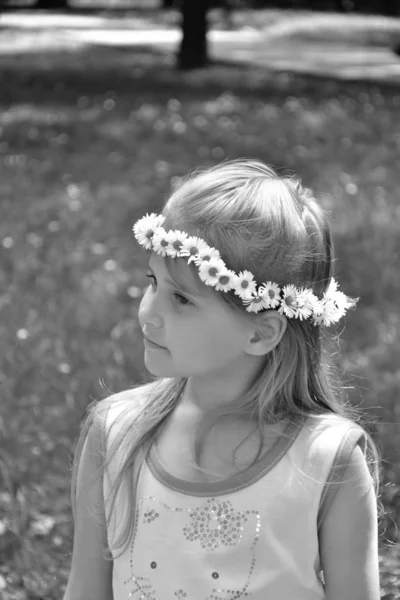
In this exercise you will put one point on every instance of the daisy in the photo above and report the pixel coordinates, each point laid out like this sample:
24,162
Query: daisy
271,292
289,303
160,241
255,304
332,288
144,229
206,254
191,247
339,299
226,281
209,271
343,302
245,285
327,313
332,311
306,302
323,319
318,311
175,240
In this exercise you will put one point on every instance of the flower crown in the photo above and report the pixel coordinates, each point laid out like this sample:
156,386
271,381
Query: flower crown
295,303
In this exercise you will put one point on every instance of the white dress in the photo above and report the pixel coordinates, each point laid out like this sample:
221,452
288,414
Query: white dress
252,536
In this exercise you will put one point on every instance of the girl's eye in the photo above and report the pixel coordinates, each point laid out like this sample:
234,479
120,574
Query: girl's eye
180,299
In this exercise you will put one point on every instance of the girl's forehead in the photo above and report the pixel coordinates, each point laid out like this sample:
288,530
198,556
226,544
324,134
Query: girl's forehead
183,275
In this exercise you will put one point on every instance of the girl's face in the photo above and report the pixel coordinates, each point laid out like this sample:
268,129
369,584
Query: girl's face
198,333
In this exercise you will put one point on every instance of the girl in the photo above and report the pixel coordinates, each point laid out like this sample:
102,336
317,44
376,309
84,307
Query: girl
235,473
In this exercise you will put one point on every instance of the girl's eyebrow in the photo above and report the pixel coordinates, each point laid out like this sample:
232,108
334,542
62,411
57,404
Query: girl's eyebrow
183,288
180,286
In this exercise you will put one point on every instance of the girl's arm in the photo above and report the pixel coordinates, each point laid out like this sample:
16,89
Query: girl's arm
349,537
91,574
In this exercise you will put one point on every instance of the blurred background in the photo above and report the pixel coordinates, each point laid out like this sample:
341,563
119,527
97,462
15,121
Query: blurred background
104,106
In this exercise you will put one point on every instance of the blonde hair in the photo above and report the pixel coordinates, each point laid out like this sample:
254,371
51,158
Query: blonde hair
272,226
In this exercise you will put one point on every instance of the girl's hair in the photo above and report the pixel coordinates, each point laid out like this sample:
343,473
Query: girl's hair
270,225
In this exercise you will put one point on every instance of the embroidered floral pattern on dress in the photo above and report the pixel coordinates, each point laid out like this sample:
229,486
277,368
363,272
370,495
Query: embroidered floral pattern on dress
143,589
213,523
150,516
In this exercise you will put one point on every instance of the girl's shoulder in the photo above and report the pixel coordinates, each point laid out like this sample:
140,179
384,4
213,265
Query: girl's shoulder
332,434
337,452
331,424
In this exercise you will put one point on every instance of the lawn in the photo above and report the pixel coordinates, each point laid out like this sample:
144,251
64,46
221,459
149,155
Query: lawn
89,141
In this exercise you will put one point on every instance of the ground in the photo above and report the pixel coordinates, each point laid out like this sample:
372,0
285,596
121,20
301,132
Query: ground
91,137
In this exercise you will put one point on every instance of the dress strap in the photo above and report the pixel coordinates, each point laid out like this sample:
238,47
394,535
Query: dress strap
353,437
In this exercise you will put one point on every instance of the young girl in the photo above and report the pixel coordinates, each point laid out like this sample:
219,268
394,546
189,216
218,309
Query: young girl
235,473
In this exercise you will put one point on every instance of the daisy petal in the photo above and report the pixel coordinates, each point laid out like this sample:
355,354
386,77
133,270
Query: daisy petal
210,270
146,226
256,304
306,302
226,281
289,303
205,255
175,241
160,241
245,285
191,247
271,292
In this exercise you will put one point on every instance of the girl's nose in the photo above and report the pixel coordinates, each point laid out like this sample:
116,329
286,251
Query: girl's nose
149,313
154,321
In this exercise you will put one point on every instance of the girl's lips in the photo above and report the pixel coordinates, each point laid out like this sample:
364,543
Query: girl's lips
152,344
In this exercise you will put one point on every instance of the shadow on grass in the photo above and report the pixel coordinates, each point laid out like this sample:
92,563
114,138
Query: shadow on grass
61,75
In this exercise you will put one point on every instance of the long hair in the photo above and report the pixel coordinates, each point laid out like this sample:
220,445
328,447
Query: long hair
270,225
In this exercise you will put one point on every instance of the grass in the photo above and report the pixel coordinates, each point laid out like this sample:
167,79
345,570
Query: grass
91,140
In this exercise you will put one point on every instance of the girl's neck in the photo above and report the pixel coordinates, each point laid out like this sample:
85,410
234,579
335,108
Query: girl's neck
203,394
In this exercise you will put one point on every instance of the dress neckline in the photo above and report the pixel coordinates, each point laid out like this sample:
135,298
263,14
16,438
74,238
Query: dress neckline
235,482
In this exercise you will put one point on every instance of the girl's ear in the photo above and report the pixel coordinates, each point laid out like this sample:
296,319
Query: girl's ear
267,334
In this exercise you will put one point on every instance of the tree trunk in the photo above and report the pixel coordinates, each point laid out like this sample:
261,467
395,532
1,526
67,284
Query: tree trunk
193,49
344,5
391,8
51,4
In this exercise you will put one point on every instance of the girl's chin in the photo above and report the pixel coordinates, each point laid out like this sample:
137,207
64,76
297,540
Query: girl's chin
157,367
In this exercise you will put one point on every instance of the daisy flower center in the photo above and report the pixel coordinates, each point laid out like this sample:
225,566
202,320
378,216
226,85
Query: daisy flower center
271,294
177,244
149,234
257,300
289,300
193,250
213,271
244,284
164,243
224,279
